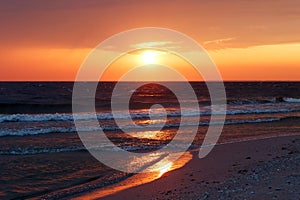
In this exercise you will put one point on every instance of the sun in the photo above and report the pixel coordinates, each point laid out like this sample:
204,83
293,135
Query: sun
149,57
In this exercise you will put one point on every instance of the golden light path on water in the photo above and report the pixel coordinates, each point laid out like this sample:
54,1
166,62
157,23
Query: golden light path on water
138,179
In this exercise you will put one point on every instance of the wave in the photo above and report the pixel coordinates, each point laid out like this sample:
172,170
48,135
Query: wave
251,101
35,117
141,114
264,101
20,151
27,151
291,100
141,147
34,131
128,128
38,130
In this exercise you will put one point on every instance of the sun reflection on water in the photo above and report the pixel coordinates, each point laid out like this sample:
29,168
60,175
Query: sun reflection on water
165,168
139,179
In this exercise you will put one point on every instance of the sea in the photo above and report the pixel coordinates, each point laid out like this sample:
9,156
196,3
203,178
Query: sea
42,156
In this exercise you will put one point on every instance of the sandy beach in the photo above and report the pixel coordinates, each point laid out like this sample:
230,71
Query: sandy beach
255,169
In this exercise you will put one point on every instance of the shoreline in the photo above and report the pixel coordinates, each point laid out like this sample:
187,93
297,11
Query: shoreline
228,164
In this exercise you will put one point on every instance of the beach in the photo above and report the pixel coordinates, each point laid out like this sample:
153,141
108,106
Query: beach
254,169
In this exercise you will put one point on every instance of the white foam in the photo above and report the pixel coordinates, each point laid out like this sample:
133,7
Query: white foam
291,100
39,151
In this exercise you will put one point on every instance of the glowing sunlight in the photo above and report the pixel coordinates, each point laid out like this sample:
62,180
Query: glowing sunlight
149,57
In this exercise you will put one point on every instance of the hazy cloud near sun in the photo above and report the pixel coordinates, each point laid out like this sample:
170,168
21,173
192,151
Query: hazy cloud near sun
219,43
153,44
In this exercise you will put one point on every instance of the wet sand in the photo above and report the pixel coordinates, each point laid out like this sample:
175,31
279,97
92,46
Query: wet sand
255,169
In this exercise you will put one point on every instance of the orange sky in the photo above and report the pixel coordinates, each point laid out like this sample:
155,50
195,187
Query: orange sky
248,40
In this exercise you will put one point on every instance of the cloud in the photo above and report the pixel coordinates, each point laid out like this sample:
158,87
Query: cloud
218,41
157,44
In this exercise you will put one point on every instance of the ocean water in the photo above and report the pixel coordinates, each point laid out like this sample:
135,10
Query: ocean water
41,153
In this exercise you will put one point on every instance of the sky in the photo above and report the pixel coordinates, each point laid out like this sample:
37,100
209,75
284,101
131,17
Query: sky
247,39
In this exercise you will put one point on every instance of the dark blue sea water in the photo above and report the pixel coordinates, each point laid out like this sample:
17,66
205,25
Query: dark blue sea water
41,153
